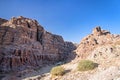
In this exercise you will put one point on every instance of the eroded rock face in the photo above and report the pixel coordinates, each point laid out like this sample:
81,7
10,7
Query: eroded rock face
97,38
25,44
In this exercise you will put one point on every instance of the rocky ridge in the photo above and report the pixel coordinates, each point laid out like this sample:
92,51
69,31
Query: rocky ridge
101,47
25,44
98,38
30,41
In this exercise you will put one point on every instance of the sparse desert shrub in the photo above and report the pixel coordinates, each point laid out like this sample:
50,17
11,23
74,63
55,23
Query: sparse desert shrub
85,65
57,71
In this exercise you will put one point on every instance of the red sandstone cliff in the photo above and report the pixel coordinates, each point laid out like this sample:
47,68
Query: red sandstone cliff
25,44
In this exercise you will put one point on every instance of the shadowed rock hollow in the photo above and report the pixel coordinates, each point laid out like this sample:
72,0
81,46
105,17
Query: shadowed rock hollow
25,44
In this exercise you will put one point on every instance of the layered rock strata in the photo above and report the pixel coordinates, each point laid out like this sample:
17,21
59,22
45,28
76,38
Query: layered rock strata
25,44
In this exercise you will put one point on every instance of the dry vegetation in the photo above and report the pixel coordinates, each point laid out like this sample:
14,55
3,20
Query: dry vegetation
57,71
85,65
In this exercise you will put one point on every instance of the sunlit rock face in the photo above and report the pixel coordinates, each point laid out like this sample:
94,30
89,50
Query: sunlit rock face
25,44
98,38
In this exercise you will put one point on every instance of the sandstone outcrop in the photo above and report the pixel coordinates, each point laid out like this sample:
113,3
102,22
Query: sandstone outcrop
25,44
98,38
101,47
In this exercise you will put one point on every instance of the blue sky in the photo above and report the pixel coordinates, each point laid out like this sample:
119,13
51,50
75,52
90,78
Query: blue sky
72,19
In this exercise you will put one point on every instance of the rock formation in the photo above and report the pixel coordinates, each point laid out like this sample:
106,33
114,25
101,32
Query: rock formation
101,47
25,44
97,38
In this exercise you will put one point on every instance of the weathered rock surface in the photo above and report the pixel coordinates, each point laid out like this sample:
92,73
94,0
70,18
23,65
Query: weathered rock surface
25,44
105,53
111,73
97,38
100,47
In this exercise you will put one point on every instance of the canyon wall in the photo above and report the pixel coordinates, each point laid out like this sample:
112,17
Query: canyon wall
25,44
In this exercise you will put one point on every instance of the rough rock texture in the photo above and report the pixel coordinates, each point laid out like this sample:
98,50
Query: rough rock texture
106,53
97,38
111,73
100,47
25,44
